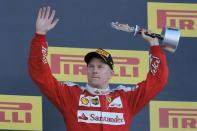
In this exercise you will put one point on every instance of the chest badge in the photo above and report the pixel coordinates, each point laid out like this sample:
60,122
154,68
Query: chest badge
89,101
109,99
116,102
84,101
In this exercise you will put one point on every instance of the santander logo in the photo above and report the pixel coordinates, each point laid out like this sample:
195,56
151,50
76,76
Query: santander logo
83,117
99,117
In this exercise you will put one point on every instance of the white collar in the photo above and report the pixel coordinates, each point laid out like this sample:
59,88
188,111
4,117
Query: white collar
96,91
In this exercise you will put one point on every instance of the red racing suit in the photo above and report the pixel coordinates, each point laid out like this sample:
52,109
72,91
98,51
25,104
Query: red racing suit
90,109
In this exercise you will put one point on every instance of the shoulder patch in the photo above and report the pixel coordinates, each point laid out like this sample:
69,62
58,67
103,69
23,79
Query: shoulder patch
125,88
70,84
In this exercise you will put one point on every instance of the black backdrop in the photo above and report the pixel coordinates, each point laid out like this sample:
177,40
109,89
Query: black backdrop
85,23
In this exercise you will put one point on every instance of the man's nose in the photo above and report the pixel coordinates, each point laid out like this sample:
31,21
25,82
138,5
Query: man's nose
95,70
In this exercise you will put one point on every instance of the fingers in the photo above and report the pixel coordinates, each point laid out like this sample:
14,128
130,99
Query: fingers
54,23
39,13
143,32
47,12
52,15
43,12
46,20
146,35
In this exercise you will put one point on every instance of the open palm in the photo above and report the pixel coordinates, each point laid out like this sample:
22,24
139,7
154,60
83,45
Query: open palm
45,20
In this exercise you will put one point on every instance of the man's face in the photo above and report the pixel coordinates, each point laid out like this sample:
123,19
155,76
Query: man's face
98,73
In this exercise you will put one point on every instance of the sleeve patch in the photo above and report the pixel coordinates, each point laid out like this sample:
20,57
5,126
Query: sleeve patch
44,55
154,64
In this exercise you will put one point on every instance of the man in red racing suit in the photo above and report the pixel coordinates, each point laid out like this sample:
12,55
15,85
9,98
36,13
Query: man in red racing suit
90,108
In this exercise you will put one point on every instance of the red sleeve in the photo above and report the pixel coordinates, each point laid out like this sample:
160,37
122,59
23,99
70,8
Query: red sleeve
40,72
156,79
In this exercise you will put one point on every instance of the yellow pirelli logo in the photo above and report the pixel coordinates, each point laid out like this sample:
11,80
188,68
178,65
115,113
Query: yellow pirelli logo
173,116
67,64
20,113
179,15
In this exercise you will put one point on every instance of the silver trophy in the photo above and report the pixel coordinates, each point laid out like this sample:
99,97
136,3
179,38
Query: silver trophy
169,36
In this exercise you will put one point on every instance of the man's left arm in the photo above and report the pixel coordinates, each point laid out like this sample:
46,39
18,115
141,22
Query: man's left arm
156,78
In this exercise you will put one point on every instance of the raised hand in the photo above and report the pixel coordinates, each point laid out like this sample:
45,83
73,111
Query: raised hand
45,20
152,41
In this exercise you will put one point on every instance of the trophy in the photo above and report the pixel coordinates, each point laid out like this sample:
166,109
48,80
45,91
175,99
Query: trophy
169,36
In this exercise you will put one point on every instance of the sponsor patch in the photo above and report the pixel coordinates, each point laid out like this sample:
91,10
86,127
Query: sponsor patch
44,55
89,101
109,99
116,103
155,61
99,117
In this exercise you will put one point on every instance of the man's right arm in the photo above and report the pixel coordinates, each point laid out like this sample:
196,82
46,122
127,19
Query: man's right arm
40,72
38,67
